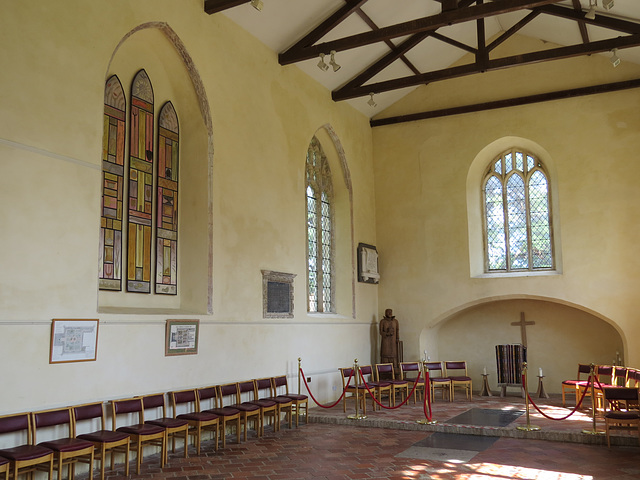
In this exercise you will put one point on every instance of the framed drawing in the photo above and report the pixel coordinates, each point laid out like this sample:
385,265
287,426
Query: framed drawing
277,294
181,337
73,340
368,264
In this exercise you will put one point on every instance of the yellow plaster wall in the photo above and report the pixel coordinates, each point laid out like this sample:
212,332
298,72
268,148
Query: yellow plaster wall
250,216
421,171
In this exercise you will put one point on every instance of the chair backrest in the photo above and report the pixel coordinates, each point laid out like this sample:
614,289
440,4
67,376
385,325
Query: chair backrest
384,368
228,391
345,373
207,397
455,365
262,387
408,369
155,401
16,423
583,368
126,406
246,388
186,398
620,376
89,411
435,369
280,385
621,398
52,418
604,373
633,377
364,371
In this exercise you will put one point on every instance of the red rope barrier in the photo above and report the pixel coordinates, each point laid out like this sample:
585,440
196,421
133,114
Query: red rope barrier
427,395
584,394
364,382
344,390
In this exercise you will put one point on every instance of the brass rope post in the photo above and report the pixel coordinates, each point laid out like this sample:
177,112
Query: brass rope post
528,427
299,373
423,371
356,373
592,376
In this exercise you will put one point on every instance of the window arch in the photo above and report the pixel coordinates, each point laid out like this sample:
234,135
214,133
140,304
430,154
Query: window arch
516,213
320,231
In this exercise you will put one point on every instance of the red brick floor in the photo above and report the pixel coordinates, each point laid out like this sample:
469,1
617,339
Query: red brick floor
354,451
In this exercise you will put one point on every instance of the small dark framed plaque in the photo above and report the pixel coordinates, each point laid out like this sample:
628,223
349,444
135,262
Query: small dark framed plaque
368,264
277,294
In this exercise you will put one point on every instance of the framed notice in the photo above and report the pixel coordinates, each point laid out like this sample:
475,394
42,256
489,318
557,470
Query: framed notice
277,294
182,337
368,264
73,340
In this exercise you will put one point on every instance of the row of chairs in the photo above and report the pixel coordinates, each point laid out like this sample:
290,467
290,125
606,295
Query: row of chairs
607,375
381,380
212,408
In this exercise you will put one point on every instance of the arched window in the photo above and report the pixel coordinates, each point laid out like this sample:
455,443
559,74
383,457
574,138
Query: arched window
517,217
320,271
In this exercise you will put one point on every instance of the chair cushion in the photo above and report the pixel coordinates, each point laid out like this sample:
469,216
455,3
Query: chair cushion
439,380
224,411
263,403
198,416
279,399
398,382
67,444
574,382
3,461
460,379
622,415
104,436
246,407
167,422
296,396
141,429
25,452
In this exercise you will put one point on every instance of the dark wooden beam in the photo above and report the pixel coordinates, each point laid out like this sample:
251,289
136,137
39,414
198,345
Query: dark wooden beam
581,25
512,102
611,23
494,64
513,30
482,57
215,6
454,43
433,22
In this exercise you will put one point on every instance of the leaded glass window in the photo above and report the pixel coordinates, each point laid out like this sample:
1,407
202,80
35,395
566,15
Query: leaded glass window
517,217
319,191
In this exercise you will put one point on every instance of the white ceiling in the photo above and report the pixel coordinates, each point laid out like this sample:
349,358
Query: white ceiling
281,23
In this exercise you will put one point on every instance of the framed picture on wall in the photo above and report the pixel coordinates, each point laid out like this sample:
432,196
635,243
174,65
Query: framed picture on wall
368,264
73,340
181,337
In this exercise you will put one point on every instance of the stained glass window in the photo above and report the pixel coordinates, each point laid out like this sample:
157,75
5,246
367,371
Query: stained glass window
167,202
140,185
319,192
517,215
114,131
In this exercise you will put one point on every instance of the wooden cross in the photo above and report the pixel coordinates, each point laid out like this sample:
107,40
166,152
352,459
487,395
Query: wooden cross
523,327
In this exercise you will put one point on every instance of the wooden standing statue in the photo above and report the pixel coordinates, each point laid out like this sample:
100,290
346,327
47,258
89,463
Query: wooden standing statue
389,338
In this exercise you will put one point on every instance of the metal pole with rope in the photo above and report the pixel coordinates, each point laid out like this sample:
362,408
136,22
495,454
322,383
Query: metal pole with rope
592,378
428,420
528,427
356,370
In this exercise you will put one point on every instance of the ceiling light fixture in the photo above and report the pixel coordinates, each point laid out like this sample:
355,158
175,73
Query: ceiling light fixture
615,59
257,4
333,63
371,101
591,14
607,4
321,65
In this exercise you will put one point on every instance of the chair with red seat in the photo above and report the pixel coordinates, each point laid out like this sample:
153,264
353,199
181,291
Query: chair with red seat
187,401
4,467
230,396
261,390
620,376
623,411
300,401
141,433
438,380
350,390
385,373
103,440
379,387
410,371
68,450
208,403
604,378
26,456
574,385
285,403
173,427
456,371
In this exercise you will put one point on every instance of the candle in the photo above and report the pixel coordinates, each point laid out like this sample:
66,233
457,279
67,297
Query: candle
485,370
425,355
540,372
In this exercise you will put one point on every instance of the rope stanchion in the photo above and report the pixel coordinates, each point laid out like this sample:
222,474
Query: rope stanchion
366,386
428,420
357,416
528,427
314,398
584,394
594,430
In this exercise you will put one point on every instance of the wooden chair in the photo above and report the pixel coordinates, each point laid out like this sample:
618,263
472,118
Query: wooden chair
384,370
103,440
198,421
438,380
68,450
620,376
285,404
300,401
229,395
26,456
623,411
208,403
4,467
410,372
574,385
173,427
141,433
261,390
350,388
379,387
605,377
459,380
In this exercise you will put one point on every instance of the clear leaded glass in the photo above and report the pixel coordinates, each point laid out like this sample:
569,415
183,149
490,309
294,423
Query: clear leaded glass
517,216
319,231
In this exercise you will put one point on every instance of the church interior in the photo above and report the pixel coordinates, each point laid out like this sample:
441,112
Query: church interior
331,160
